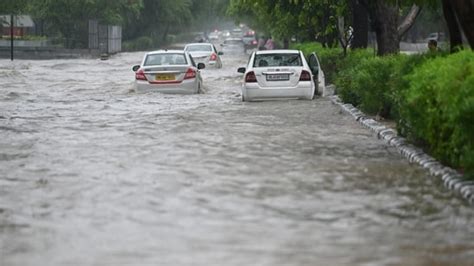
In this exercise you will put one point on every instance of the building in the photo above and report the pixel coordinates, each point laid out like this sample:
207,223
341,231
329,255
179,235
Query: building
21,25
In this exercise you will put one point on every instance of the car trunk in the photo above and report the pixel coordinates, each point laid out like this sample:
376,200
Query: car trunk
278,77
165,74
200,56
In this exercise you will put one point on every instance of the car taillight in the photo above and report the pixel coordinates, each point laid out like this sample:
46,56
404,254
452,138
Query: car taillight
250,77
254,42
140,75
305,76
190,74
213,57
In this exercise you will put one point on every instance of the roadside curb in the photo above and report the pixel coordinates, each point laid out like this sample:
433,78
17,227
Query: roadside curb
450,177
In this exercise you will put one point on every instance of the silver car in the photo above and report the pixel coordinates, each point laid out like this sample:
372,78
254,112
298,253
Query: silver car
278,74
205,53
168,71
233,46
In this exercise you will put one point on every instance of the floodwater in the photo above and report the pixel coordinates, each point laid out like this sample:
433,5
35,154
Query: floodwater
93,173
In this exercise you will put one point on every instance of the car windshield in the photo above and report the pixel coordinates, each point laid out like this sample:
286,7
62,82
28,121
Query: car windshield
165,59
272,60
195,48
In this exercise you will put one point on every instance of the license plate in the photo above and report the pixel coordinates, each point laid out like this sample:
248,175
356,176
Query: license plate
164,77
277,77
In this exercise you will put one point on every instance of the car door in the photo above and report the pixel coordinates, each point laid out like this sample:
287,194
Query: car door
318,73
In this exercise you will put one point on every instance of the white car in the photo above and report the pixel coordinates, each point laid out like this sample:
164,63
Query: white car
169,71
233,46
279,74
205,53
214,35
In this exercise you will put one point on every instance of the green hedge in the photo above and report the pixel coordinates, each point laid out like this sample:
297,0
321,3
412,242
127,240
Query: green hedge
430,96
139,44
330,58
438,110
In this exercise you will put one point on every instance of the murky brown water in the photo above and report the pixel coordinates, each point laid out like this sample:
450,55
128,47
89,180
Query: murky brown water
92,173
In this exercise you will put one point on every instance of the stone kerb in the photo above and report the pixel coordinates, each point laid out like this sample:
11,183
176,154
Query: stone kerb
450,177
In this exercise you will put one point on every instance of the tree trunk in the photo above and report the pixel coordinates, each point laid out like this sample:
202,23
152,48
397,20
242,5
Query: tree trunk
386,28
464,9
409,20
455,37
360,20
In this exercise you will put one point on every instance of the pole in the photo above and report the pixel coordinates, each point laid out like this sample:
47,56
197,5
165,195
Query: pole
11,36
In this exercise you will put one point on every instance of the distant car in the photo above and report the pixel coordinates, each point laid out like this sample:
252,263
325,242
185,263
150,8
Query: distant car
279,74
437,36
226,33
249,40
237,32
233,45
214,35
168,71
205,53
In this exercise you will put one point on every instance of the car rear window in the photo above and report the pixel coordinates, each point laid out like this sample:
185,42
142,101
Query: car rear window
165,59
272,60
195,48
236,41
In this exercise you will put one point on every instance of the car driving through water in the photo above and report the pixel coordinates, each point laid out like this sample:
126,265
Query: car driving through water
169,71
205,53
233,46
278,74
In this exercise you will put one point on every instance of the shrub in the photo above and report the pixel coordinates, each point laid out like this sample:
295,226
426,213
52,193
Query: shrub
347,69
439,109
139,44
330,58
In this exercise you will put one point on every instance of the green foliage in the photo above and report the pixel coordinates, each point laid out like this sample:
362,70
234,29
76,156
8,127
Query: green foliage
12,6
439,109
140,44
331,59
430,96
283,19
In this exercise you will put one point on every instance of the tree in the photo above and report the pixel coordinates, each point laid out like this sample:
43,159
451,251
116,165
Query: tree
360,22
386,23
283,19
458,16
12,6
70,17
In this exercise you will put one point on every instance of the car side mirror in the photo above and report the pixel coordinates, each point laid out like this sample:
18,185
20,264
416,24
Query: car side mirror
201,66
135,68
220,53
241,70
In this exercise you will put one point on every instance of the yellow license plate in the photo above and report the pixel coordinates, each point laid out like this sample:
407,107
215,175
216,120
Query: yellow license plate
164,77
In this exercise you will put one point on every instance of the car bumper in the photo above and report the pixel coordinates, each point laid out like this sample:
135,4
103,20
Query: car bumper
253,92
185,87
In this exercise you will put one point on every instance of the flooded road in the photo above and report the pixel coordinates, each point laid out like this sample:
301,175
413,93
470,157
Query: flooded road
93,173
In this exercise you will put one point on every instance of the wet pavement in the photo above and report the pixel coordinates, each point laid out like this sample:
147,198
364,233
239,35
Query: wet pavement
94,173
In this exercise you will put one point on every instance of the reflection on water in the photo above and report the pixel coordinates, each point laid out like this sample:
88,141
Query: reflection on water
93,173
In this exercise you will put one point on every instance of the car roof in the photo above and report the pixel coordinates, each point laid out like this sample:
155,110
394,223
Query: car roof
166,52
278,51
198,43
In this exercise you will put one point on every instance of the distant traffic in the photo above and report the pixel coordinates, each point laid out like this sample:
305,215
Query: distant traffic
269,74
